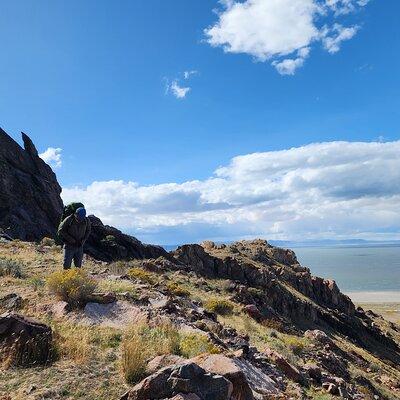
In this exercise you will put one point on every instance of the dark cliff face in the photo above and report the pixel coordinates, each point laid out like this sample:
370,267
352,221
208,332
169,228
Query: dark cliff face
30,202
31,206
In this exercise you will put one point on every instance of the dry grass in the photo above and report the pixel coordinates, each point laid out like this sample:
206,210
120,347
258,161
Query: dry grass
142,342
117,286
82,344
192,345
73,343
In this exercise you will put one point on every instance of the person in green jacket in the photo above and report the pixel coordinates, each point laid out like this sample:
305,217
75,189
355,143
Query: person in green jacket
74,231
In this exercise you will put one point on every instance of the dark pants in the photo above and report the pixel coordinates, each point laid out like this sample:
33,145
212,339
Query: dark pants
73,253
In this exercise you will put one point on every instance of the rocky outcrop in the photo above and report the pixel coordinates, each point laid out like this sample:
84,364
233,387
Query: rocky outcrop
31,206
109,244
24,342
30,203
285,291
187,379
227,367
11,301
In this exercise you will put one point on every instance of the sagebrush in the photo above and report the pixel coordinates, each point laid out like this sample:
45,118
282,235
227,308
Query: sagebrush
73,286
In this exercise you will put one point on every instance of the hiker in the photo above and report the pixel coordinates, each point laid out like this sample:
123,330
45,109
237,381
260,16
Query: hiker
74,230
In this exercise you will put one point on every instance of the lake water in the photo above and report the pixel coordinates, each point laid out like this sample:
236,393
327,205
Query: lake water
356,269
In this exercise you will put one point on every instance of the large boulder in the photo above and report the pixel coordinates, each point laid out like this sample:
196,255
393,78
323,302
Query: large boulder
180,380
107,243
30,202
24,342
229,369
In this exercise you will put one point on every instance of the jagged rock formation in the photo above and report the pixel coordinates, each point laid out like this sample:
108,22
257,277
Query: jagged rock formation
31,206
30,202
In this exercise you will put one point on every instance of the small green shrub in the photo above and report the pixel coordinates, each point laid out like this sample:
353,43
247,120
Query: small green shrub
176,290
142,275
73,286
192,345
273,323
46,241
37,283
219,306
296,345
257,293
10,268
119,267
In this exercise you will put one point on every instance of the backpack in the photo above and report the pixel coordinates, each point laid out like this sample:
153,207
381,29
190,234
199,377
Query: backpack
70,209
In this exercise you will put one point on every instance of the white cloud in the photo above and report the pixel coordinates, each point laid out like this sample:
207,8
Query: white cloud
275,30
289,66
52,156
334,189
175,88
188,74
179,92
339,34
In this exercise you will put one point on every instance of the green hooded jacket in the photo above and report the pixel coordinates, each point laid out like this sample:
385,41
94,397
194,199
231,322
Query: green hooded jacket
74,232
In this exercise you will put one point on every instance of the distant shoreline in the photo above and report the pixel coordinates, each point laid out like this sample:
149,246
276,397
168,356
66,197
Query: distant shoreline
391,296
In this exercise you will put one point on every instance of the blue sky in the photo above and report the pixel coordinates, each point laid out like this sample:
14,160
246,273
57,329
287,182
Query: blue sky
96,79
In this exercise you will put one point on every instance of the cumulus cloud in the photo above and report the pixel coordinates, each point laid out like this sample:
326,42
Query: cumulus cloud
333,189
276,30
52,156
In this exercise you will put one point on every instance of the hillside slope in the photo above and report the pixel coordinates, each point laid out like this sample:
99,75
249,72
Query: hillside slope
273,330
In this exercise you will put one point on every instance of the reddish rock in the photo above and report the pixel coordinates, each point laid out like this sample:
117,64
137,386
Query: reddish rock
318,336
331,388
225,366
102,298
253,311
290,371
163,361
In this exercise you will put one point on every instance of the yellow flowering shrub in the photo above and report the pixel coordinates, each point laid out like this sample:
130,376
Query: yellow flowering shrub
73,286
142,275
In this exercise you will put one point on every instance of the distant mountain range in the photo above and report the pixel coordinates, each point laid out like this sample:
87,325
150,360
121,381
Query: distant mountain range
333,242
